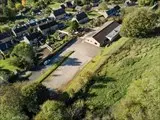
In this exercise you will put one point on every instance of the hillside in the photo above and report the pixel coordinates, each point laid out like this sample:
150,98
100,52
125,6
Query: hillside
137,59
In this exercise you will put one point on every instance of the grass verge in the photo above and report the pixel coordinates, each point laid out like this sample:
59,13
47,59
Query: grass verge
53,67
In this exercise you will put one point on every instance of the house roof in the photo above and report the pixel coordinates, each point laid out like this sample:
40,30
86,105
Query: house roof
20,29
32,23
44,20
95,1
100,36
5,35
69,4
47,25
3,46
81,16
63,6
33,36
59,12
113,10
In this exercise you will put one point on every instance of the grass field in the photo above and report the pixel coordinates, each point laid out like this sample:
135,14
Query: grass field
137,59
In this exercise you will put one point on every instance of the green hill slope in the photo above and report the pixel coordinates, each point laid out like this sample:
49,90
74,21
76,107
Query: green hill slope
137,59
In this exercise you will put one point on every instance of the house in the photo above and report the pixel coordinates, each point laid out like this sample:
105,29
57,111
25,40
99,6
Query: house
78,8
42,21
63,6
32,23
6,40
20,30
48,27
35,38
95,3
113,11
69,4
36,11
58,14
130,3
106,35
82,17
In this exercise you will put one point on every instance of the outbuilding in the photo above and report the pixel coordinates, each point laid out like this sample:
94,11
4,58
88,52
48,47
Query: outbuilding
104,36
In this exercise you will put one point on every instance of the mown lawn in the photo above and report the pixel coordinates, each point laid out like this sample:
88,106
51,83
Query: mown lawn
7,65
93,14
55,5
137,59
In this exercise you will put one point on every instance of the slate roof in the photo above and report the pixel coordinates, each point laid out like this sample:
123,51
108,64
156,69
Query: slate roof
20,29
32,23
69,4
44,20
101,35
5,35
81,16
48,25
3,47
113,11
95,1
32,36
59,12
63,6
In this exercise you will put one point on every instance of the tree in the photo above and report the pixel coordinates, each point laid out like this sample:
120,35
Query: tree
5,75
5,11
25,54
74,25
19,6
50,110
141,101
10,4
139,23
146,2
35,94
11,102
103,6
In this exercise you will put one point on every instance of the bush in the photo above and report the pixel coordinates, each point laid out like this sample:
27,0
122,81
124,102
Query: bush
50,110
103,6
146,2
139,23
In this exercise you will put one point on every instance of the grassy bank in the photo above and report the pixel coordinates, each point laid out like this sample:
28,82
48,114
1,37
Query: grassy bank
53,67
137,59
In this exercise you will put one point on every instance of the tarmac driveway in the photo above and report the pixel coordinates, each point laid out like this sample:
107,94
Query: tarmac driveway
84,52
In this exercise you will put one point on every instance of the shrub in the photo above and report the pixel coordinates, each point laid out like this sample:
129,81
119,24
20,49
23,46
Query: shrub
139,23
50,110
103,6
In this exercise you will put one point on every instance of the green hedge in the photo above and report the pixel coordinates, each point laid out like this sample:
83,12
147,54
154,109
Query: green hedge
53,67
